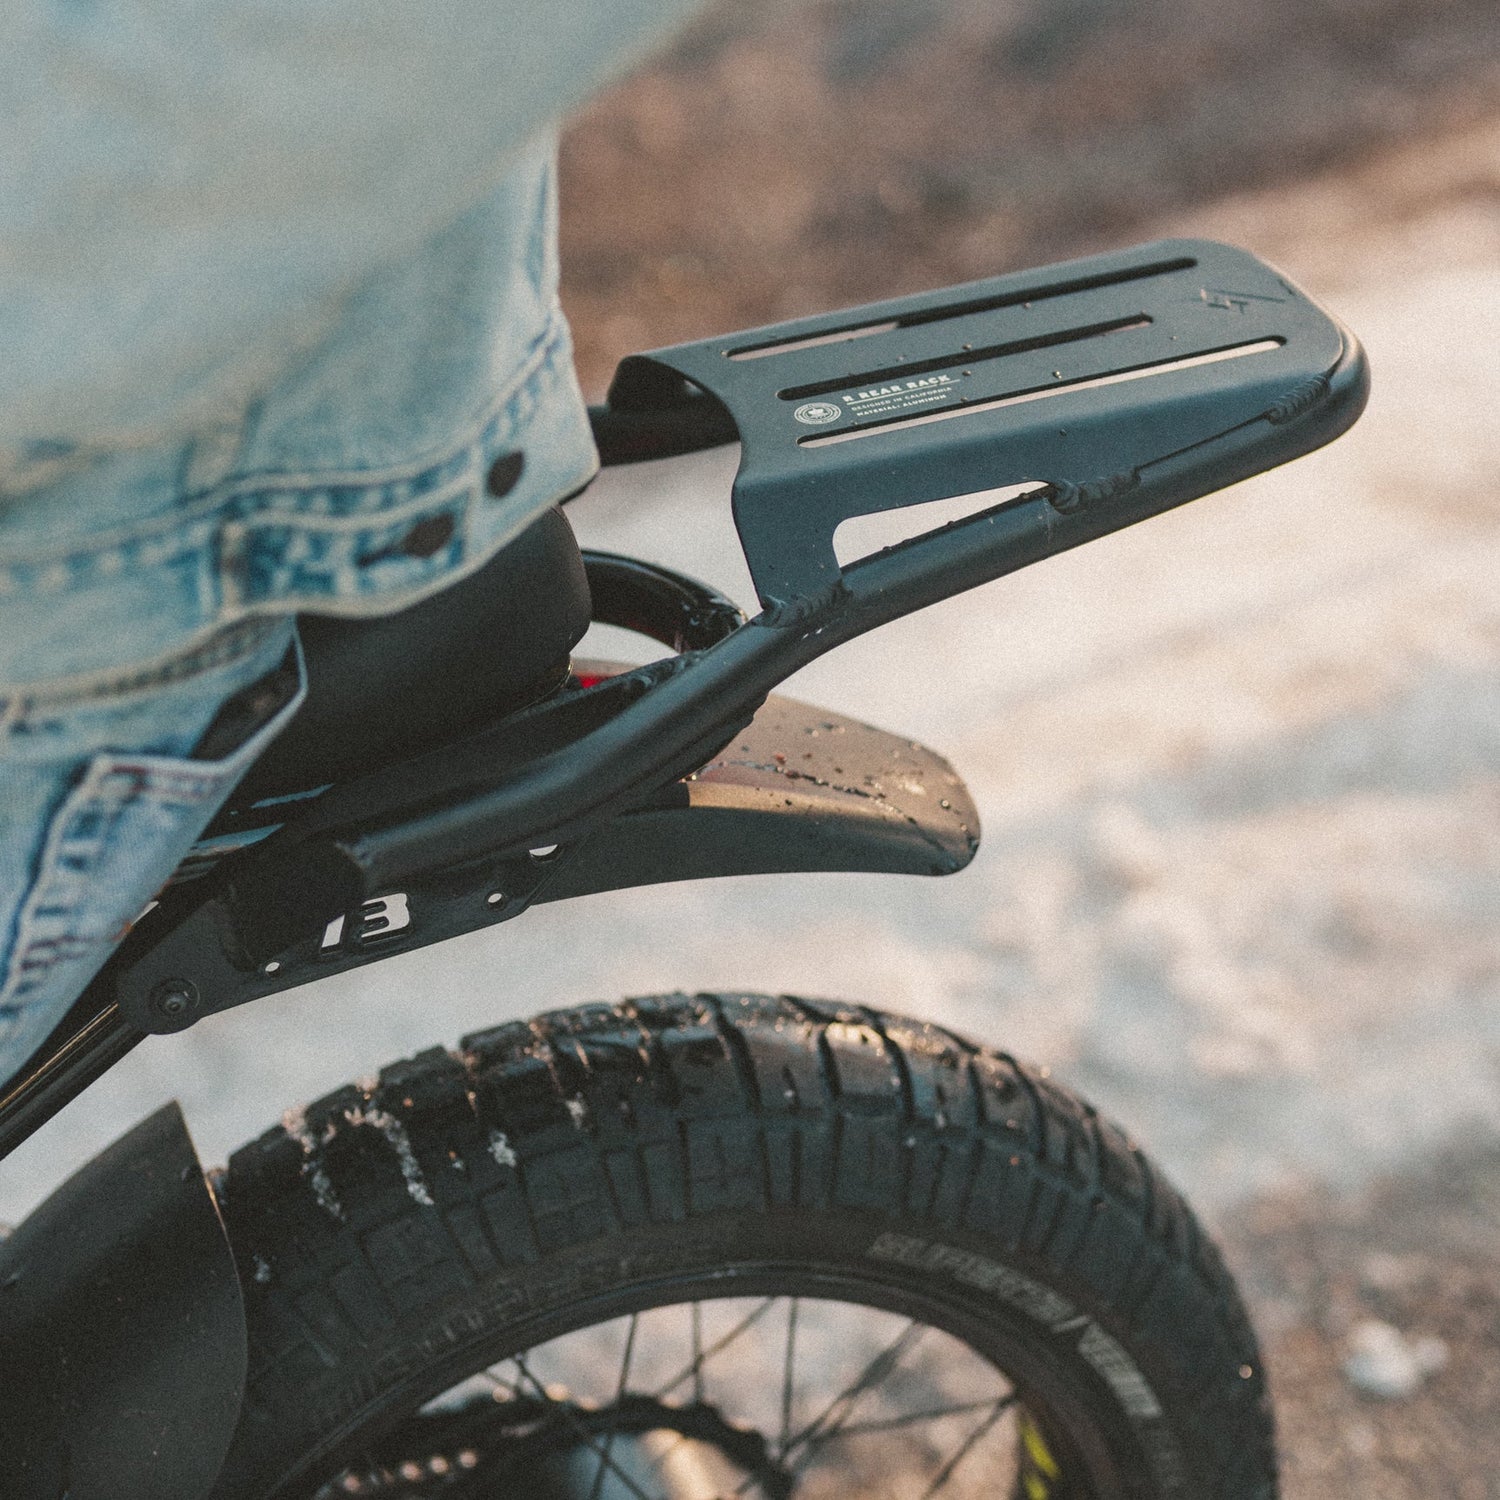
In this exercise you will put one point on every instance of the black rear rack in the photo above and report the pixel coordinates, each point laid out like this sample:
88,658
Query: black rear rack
1148,376
1121,386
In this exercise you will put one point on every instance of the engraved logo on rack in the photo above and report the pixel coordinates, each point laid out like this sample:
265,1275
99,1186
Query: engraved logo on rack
1231,301
894,397
818,413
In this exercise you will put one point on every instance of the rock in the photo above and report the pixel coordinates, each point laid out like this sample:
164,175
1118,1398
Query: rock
1387,1364
1391,1274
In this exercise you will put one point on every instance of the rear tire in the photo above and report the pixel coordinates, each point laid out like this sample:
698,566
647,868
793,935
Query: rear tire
396,1238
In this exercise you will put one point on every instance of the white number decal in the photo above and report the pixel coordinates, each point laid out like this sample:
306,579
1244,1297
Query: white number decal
383,914
378,917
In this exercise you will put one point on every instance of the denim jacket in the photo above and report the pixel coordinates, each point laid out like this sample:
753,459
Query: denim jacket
279,331
277,288
356,483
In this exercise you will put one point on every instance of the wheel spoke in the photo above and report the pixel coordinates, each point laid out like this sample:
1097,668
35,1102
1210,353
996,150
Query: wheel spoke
697,1364
701,1356
613,1440
786,1378
890,1424
837,1412
967,1446
566,1412
508,1386
621,1385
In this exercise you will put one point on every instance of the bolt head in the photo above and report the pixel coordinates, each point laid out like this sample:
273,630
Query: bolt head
174,999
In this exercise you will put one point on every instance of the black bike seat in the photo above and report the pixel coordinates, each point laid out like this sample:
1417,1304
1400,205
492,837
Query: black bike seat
382,689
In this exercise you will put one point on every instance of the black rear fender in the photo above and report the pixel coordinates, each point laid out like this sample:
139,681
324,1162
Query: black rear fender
122,1330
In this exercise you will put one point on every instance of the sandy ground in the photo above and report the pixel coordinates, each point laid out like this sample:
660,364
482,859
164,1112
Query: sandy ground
1239,771
1420,1252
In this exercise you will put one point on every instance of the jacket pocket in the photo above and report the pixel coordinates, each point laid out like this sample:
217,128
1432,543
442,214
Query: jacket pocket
110,845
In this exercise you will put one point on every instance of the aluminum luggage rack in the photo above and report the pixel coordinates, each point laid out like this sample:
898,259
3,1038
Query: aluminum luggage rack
1149,376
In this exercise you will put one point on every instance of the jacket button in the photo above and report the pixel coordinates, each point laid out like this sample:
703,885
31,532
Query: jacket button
429,535
505,473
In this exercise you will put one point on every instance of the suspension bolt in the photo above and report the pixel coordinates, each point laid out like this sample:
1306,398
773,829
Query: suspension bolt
174,1001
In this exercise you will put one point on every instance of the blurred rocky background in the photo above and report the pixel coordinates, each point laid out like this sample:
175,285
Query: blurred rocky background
789,156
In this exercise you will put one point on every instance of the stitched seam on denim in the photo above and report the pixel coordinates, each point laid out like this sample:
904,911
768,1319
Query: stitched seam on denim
395,516
224,648
70,851
184,530
78,835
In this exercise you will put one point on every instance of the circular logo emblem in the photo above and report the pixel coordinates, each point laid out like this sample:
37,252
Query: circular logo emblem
818,413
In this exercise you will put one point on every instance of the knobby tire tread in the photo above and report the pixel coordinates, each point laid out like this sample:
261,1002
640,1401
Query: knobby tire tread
387,1203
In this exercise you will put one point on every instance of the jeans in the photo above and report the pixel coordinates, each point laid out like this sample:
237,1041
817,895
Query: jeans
279,291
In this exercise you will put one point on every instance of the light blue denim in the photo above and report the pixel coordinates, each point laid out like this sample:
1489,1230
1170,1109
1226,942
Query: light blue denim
278,284
99,799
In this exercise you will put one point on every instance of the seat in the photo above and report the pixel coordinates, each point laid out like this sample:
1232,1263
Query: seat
382,689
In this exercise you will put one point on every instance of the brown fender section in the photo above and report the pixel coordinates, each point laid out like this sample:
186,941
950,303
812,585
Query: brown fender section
122,1330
